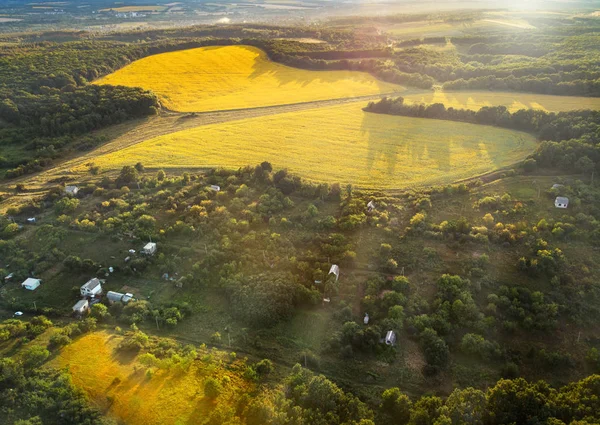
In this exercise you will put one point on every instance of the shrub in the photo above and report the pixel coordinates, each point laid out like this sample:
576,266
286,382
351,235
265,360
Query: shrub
212,388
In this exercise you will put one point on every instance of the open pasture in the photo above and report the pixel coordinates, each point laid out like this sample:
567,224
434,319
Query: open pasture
475,100
114,385
238,77
338,144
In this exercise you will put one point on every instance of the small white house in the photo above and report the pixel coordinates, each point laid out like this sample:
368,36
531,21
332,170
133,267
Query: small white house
215,187
149,248
31,283
335,269
81,306
91,288
390,338
366,319
561,202
71,190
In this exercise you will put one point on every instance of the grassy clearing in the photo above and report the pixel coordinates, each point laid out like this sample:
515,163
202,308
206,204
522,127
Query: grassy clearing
475,100
338,144
113,383
236,77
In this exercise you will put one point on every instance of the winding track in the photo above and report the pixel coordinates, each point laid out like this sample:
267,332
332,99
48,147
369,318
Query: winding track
133,132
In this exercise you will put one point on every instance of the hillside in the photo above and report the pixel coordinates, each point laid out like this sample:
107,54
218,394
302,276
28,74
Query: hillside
338,144
237,77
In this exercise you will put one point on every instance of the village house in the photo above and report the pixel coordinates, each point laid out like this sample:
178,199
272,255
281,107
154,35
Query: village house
71,190
561,202
91,288
81,307
149,248
31,284
335,270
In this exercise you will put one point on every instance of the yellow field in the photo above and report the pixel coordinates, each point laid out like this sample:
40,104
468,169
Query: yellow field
475,100
135,9
338,144
168,398
237,77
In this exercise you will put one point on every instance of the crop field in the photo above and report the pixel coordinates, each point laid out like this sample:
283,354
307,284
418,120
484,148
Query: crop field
117,388
338,144
135,9
475,100
238,77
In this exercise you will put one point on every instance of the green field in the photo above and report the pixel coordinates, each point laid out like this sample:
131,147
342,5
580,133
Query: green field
338,144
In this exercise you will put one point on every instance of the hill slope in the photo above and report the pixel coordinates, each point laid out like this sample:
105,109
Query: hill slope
338,144
237,77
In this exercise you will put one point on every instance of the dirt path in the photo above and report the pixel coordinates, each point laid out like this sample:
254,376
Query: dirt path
133,132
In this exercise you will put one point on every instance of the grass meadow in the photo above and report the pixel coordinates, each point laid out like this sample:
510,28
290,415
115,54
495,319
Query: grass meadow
475,100
238,77
118,385
338,144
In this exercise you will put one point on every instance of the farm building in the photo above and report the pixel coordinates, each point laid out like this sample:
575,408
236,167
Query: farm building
91,288
335,269
390,338
215,187
71,190
117,297
31,283
561,202
81,306
149,248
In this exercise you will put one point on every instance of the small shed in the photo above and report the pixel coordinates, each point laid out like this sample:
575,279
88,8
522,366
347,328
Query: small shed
31,284
71,190
335,269
81,306
91,288
31,220
366,319
390,338
561,202
117,297
149,248
215,187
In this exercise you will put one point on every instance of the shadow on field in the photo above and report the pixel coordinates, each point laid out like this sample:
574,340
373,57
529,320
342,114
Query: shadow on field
289,75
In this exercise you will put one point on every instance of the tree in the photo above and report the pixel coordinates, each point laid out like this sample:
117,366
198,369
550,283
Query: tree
127,175
264,367
396,406
35,356
212,388
100,311
139,167
585,164
160,175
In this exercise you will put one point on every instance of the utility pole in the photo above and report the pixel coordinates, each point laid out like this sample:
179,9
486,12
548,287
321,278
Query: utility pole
156,317
34,306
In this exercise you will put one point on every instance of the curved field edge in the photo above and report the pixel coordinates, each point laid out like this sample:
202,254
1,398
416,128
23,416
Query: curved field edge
338,144
237,77
513,101
118,385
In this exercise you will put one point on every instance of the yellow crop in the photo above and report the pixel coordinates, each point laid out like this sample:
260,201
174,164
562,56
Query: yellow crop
338,144
236,77
513,101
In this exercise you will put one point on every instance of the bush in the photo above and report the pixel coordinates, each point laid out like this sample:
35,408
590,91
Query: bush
264,367
212,388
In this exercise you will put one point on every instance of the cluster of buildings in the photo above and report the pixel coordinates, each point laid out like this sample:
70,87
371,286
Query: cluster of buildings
91,291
